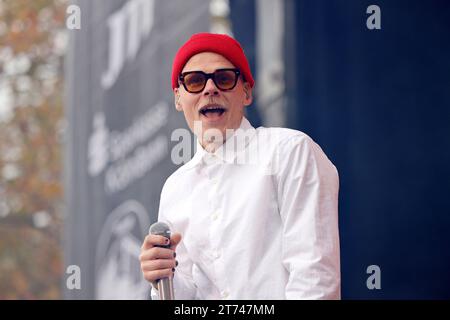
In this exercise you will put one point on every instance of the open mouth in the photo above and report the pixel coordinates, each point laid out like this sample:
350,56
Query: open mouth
212,111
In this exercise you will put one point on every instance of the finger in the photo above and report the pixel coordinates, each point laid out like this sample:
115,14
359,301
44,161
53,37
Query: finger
156,253
175,240
152,240
152,276
158,264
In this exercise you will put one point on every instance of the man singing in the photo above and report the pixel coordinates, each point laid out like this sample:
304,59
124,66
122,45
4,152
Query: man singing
255,210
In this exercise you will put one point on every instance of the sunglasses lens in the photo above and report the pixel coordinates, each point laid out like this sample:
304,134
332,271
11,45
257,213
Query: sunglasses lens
225,79
194,82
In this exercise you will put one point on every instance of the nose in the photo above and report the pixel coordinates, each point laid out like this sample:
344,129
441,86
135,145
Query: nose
210,88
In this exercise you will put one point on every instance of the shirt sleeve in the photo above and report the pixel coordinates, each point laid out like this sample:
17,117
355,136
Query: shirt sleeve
183,284
308,186
183,287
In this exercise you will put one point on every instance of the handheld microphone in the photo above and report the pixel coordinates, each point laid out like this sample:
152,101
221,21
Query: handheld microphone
165,285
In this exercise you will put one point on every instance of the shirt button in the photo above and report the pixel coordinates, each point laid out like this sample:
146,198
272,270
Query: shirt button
214,187
215,216
210,159
216,254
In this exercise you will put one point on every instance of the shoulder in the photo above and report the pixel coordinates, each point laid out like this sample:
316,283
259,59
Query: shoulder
172,189
172,195
175,183
294,149
282,139
174,179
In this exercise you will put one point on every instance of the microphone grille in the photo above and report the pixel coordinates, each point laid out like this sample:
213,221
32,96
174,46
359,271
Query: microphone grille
161,229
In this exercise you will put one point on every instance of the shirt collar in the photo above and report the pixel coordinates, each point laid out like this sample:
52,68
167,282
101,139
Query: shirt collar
228,151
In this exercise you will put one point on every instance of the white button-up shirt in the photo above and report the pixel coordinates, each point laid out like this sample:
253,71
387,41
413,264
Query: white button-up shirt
258,217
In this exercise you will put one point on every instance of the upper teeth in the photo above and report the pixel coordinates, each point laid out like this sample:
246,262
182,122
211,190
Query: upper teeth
211,107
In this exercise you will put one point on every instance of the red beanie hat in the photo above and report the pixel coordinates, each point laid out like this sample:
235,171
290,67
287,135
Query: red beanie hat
211,42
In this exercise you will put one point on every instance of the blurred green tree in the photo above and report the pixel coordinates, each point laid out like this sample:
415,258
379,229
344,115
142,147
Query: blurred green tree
32,47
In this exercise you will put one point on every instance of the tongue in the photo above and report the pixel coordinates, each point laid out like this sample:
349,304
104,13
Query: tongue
213,115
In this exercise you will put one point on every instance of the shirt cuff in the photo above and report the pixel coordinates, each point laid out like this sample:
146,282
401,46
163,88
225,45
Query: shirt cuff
154,294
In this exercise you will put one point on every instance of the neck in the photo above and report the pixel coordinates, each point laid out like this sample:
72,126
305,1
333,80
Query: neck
210,140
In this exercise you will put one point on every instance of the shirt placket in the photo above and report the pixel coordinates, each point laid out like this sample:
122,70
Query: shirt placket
214,172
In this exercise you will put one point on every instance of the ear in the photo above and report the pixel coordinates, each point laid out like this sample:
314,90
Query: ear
248,99
176,94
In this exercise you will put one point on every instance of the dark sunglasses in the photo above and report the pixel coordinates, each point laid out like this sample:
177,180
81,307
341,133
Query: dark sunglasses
195,81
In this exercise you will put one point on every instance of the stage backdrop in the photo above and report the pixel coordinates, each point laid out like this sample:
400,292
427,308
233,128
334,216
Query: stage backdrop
120,116
378,102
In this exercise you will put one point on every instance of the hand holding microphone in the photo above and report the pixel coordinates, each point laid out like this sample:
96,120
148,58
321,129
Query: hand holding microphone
158,258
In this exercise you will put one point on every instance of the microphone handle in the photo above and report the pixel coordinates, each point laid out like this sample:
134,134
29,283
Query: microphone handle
165,285
165,288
